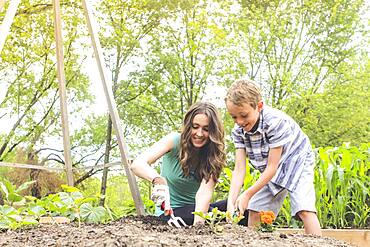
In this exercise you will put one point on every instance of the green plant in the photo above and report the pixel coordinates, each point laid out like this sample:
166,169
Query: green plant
11,218
215,216
70,203
266,220
12,193
213,219
342,182
76,206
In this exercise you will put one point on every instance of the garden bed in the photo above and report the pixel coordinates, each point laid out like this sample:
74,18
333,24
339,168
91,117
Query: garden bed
357,237
148,231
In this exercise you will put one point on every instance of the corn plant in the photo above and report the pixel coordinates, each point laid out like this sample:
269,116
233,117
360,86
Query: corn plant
342,186
342,182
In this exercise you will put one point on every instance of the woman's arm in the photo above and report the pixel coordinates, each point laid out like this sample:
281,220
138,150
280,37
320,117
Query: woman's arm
237,179
141,166
203,199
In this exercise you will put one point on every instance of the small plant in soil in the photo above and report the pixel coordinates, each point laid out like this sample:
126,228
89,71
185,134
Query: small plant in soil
267,218
215,217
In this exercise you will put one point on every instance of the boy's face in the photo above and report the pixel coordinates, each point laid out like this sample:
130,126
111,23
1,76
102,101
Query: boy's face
245,115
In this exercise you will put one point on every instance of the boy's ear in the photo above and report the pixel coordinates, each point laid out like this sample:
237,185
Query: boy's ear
260,105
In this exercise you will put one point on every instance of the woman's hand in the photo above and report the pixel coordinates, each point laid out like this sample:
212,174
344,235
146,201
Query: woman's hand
198,220
160,190
231,210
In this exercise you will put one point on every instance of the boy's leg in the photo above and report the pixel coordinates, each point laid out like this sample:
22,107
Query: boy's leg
311,222
303,199
264,200
253,218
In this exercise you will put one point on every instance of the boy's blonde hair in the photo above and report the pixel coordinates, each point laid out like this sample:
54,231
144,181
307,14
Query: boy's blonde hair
244,91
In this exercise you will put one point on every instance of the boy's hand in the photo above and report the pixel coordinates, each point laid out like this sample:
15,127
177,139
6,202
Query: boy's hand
242,202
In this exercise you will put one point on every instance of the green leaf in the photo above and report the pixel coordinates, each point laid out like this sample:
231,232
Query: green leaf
66,198
36,210
7,210
92,214
4,189
14,198
24,186
67,188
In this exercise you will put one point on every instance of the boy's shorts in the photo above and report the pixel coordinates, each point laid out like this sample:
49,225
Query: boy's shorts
301,199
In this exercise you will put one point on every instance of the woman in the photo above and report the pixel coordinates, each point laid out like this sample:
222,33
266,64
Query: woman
192,162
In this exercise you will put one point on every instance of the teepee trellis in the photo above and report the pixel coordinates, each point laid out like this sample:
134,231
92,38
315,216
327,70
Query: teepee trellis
4,31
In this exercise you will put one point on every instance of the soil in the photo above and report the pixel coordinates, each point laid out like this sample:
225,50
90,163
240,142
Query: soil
149,231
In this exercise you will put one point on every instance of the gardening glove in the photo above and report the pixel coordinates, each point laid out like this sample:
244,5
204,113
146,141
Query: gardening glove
160,191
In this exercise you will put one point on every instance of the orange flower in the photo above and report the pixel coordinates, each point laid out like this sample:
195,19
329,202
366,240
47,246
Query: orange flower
267,217
271,214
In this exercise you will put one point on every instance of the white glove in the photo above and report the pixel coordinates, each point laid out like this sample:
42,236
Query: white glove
159,194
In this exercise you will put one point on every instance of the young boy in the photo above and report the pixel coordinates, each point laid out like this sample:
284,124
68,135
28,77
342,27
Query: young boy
278,148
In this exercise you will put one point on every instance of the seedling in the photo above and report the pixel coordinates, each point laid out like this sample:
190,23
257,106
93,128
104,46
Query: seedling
214,218
267,218
234,218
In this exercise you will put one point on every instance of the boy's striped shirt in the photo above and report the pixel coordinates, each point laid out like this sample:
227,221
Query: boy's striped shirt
276,129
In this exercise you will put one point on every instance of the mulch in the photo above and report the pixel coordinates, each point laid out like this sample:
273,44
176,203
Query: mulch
150,231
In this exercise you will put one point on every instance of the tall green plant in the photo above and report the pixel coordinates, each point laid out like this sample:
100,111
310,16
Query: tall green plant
342,182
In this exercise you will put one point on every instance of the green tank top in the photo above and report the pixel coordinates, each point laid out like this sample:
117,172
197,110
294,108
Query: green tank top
182,188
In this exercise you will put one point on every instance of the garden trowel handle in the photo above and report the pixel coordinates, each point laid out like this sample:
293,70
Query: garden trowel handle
166,204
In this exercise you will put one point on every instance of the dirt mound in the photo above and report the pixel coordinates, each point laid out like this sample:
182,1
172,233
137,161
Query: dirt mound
149,231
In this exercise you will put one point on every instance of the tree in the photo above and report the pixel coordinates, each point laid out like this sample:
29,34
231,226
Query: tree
291,47
28,74
125,25
341,111
299,52
183,58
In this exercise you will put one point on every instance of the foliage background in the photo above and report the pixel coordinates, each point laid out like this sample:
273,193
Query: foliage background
309,57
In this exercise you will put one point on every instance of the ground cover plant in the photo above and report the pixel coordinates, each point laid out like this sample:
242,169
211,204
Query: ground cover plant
20,211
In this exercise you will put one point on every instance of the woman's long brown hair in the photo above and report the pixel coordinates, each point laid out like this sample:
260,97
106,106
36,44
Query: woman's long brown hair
207,162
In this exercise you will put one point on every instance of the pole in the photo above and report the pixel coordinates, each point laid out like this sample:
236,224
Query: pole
107,85
62,92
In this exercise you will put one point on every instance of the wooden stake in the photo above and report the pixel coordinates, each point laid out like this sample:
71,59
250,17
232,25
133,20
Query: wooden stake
8,20
107,85
62,92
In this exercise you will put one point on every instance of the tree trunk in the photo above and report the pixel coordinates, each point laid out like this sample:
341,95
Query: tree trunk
1,198
36,188
103,187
